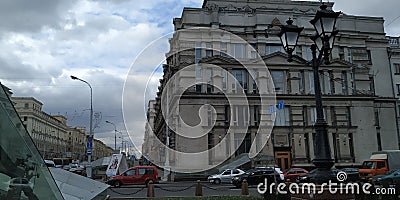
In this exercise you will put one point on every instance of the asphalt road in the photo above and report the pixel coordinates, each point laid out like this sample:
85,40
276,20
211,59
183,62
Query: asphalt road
179,189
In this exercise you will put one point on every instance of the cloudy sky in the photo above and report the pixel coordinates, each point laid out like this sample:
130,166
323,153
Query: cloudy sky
43,42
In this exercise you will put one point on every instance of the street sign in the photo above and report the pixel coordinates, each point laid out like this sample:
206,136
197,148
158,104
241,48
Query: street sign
280,106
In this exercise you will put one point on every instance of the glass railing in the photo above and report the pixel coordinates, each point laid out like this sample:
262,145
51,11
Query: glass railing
23,173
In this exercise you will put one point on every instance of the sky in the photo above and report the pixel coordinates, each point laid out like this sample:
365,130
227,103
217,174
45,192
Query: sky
44,42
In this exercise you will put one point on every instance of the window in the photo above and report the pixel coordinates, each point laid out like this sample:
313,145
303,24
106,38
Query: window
301,82
209,82
278,77
236,171
348,116
311,89
227,172
238,50
131,172
269,49
308,55
209,116
344,83
198,52
26,105
253,51
241,78
381,165
235,113
256,116
224,49
224,79
199,77
398,89
254,78
322,81
397,68
209,51
282,117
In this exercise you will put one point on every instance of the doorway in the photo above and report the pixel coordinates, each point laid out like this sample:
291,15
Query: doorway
282,159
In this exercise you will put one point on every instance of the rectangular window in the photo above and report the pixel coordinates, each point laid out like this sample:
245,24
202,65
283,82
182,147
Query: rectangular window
311,89
253,51
348,116
227,115
209,51
278,77
344,83
270,49
369,57
209,116
241,77
308,55
235,115
197,52
282,117
26,105
349,57
224,48
254,78
256,116
398,89
209,81
238,50
301,82
322,81
199,77
224,79
397,68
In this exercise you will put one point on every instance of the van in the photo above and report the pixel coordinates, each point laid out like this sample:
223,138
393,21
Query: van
135,175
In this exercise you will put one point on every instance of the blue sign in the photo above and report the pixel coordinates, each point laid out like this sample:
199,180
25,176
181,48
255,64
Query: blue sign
280,106
89,152
89,145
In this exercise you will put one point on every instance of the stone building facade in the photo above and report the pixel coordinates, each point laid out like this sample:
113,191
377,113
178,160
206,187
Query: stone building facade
52,136
359,104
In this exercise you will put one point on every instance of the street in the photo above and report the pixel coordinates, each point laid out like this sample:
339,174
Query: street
181,189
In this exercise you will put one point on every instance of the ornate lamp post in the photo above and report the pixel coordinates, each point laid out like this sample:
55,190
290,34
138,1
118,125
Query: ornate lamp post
90,137
115,137
324,24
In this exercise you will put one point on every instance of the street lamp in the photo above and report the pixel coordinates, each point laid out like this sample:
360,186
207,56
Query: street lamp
324,24
115,137
89,145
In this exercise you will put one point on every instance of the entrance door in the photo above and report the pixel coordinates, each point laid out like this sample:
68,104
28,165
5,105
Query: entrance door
282,159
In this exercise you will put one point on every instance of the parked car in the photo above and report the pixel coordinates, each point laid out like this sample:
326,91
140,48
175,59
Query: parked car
306,178
225,177
293,173
135,175
256,176
352,174
277,169
391,178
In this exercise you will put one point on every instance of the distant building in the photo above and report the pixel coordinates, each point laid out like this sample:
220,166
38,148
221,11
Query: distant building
359,104
394,59
52,136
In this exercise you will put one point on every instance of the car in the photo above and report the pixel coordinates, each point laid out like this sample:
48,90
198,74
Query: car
306,178
352,174
256,176
225,177
135,175
277,169
49,163
292,173
391,178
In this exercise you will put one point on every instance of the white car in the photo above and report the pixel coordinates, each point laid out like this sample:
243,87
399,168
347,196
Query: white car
225,177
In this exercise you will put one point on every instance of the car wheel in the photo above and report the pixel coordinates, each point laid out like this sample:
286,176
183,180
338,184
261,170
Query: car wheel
117,184
217,181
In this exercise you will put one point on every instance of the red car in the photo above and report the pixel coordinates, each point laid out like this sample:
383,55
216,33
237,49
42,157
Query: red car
293,173
135,175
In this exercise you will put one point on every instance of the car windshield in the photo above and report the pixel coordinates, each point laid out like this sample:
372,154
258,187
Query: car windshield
368,165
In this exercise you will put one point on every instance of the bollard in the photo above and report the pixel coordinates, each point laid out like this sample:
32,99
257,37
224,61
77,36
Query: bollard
245,187
150,190
199,189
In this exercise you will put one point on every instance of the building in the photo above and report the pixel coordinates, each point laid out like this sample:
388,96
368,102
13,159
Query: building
49,133
359,105
394,59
